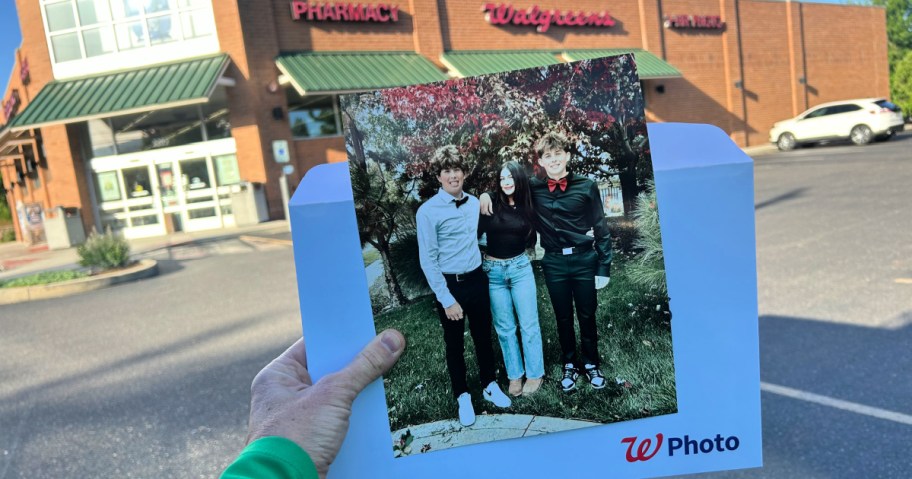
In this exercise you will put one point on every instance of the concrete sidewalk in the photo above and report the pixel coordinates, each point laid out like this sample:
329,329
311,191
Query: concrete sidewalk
17,259
759,150
488,427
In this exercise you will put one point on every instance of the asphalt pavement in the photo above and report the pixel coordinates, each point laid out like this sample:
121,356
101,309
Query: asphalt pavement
834,255
151,379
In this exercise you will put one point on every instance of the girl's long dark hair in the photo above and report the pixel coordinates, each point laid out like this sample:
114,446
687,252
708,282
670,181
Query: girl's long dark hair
522,195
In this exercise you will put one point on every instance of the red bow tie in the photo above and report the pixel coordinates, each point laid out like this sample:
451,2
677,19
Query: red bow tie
552,184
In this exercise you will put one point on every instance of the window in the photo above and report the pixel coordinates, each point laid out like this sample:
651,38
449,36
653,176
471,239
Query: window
101,138
60,16
108,185
817,113
888,105
313,116
226,169
92,12
157,129
98,41
837,109
215,115
137,182
195,174
80,29
66,47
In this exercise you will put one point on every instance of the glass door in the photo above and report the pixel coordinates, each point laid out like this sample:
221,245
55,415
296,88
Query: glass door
129,203
197,191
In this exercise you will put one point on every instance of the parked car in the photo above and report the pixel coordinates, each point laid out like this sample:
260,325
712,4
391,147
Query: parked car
860,121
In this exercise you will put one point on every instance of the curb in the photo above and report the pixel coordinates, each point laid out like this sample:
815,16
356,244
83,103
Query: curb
145,268
261,239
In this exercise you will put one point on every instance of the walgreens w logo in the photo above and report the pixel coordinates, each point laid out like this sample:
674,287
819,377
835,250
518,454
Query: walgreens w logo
643,450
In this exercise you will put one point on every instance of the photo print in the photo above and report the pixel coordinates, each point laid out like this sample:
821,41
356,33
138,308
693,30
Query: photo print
510,231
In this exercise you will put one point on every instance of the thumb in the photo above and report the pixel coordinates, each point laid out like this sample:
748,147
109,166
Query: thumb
375,359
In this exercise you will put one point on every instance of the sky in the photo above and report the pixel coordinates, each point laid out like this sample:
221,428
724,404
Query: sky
10,37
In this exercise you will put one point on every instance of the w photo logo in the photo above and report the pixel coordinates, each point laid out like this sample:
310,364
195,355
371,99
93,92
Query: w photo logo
642,448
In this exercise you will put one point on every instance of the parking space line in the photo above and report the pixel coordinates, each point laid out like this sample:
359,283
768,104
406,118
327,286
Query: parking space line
903,280
837,403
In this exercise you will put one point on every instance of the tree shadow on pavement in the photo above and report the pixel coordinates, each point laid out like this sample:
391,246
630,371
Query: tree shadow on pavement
863,365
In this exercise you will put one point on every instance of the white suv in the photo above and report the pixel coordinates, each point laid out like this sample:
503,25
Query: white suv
858,120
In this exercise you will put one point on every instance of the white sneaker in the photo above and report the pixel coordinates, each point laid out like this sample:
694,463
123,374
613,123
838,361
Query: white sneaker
493,394
466,411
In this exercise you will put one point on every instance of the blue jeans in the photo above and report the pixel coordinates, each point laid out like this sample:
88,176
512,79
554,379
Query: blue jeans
512,289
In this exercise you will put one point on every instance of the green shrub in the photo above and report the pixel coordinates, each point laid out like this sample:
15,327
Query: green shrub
8,235
104,251
648,267
623,235
42,278
6,215
404,256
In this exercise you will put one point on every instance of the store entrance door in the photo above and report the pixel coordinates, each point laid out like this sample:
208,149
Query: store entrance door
188,195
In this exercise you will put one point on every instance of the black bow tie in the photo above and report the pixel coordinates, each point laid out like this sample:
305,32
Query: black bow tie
461,202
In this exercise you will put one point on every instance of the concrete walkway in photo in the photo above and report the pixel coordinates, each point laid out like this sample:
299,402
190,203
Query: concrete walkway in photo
488,427
17,259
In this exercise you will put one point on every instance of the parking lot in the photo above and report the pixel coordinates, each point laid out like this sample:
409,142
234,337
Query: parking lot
151,379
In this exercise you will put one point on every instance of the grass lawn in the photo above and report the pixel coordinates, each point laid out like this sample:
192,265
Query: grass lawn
370,255
42,278
634,342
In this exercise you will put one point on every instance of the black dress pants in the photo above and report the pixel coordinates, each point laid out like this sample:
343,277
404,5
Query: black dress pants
471,292
571,281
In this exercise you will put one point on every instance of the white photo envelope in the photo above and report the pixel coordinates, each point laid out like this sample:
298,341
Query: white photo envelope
705,187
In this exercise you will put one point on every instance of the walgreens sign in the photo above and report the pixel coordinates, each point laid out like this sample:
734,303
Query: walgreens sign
507,14
10,106
344,12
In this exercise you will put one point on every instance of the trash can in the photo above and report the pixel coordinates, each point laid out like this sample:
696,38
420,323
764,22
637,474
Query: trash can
63,228
248,203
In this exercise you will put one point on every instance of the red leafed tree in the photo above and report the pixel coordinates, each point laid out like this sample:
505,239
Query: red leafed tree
391,135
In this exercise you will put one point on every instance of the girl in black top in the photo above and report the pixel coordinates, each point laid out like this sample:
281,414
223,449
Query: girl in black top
511,280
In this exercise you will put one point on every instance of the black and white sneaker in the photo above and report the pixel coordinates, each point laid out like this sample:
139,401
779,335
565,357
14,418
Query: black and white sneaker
568,381
596,378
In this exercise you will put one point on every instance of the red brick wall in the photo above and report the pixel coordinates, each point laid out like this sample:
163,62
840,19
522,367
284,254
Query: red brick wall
248,32
841,50
770,50
845,51
703,94
313,152
63,173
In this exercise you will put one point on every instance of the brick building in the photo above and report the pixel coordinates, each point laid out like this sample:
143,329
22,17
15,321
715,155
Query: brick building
149,115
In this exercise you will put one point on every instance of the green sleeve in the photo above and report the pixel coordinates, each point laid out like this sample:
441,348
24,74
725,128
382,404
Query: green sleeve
271,458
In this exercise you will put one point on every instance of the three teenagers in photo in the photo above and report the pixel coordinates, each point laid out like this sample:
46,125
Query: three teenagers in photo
484,206
498,286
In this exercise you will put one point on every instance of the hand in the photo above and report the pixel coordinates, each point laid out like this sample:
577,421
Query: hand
591,233
454,312
286,403
487,206
601,281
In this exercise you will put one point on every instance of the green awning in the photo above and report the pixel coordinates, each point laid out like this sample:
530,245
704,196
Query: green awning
124,92
472,63
337,72
649,66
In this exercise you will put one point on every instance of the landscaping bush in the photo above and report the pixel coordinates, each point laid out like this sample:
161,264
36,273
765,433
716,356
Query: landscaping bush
404,253
105,251
7,235
623,235
648,268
